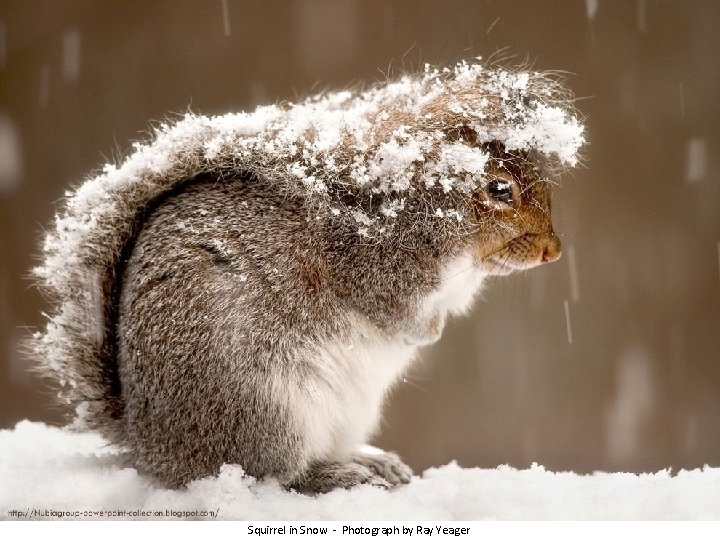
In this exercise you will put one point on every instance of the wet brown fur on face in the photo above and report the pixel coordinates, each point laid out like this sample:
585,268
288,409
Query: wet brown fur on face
518,236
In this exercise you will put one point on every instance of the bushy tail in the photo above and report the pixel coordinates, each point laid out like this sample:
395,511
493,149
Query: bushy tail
83,257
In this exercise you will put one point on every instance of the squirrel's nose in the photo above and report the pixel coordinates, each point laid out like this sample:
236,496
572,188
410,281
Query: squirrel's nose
552,249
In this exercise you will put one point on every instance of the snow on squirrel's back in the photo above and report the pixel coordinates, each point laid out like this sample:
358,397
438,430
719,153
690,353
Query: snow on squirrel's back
54,469
375,158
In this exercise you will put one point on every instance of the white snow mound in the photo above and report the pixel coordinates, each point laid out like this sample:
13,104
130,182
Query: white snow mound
52,469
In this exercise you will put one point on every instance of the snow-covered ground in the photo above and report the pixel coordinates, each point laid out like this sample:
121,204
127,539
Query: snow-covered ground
49,469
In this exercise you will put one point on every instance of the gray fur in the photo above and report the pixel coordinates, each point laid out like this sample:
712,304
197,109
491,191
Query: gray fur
209,316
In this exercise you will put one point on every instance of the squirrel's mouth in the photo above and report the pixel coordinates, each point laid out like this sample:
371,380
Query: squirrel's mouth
522,253
504,264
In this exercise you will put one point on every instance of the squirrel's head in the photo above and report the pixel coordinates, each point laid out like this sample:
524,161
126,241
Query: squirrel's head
457,151
514,228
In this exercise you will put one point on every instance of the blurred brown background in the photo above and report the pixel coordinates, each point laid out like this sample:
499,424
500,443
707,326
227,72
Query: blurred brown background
609,359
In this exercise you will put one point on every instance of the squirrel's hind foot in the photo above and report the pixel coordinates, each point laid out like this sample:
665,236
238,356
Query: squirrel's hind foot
382,470
386,465
323,476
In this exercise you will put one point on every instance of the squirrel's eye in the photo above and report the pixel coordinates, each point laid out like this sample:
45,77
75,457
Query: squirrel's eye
501,190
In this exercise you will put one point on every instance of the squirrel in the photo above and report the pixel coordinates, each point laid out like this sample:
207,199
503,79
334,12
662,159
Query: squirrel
246,288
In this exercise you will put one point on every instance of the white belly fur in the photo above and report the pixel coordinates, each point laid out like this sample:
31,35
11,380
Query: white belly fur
338,408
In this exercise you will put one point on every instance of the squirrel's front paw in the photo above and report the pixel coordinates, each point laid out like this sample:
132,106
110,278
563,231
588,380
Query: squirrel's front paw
322,477
387,465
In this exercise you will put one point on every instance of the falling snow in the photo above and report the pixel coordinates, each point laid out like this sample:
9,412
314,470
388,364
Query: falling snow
10,155
71,54
591,7
572,268
632,405
696,159
568,325
225,17
641,15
